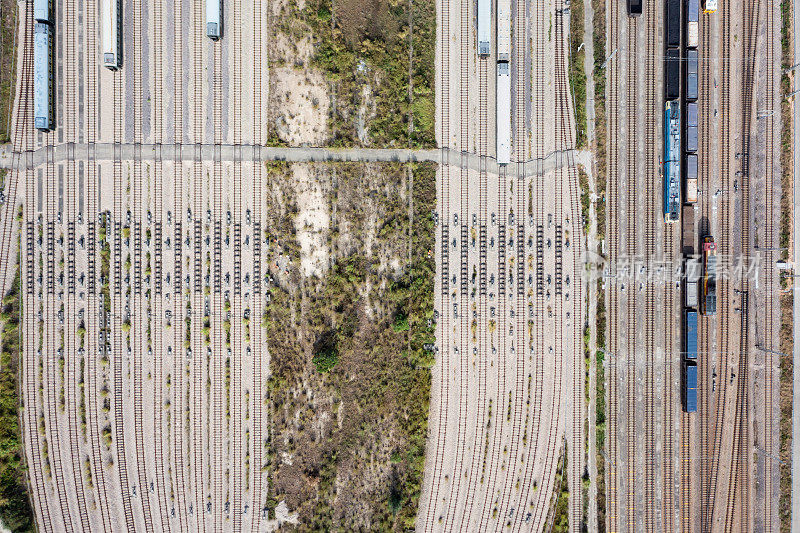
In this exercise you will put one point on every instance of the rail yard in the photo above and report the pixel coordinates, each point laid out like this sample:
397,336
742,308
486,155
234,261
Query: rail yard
140,201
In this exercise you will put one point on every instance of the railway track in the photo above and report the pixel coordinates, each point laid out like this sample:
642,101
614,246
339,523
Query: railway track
199,404
537,351
432,518
632,185
180,365
218,459
466,46
739,486
651,238
74,359
155,290
257,400
612,219
764,244
235,361
514,220
31,364
572,221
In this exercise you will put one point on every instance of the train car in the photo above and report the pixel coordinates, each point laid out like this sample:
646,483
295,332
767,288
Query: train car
691,178
112,34
687,232
689,386
503,113
673,23
690,322
504,30
43,11
672,161
484,27
691,127
672,74
710,6
635,7
708,301
214,19
693,267
692,22
43,76
691,75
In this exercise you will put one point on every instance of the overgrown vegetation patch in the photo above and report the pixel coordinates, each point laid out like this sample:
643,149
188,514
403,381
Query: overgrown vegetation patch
786,298
15,508
377,59
8,72
577,73
350,380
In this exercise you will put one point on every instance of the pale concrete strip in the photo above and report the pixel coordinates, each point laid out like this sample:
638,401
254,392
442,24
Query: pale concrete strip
227,152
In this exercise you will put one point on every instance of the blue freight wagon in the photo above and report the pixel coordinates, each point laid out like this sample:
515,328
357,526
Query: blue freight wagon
672,161
690,387
691,335
691,127
692,65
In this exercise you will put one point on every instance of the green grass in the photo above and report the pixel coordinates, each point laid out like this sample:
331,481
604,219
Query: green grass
577,73
371,366
786,362
16,512
386,44
8,74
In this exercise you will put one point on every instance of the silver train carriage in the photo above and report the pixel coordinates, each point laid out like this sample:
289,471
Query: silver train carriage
112,34
43,101
214,19
43,11
503,114
504,30
484,27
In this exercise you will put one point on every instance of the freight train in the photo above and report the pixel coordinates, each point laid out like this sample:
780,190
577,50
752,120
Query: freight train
43,95
700,276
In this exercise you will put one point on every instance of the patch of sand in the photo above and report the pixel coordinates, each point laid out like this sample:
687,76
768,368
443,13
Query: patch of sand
301,106
312,221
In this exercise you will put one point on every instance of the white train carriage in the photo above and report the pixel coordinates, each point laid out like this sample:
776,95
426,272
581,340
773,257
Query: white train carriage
43,76
692,21
112,34
503,113
484,27
214,19
43,11
710,6
504,30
